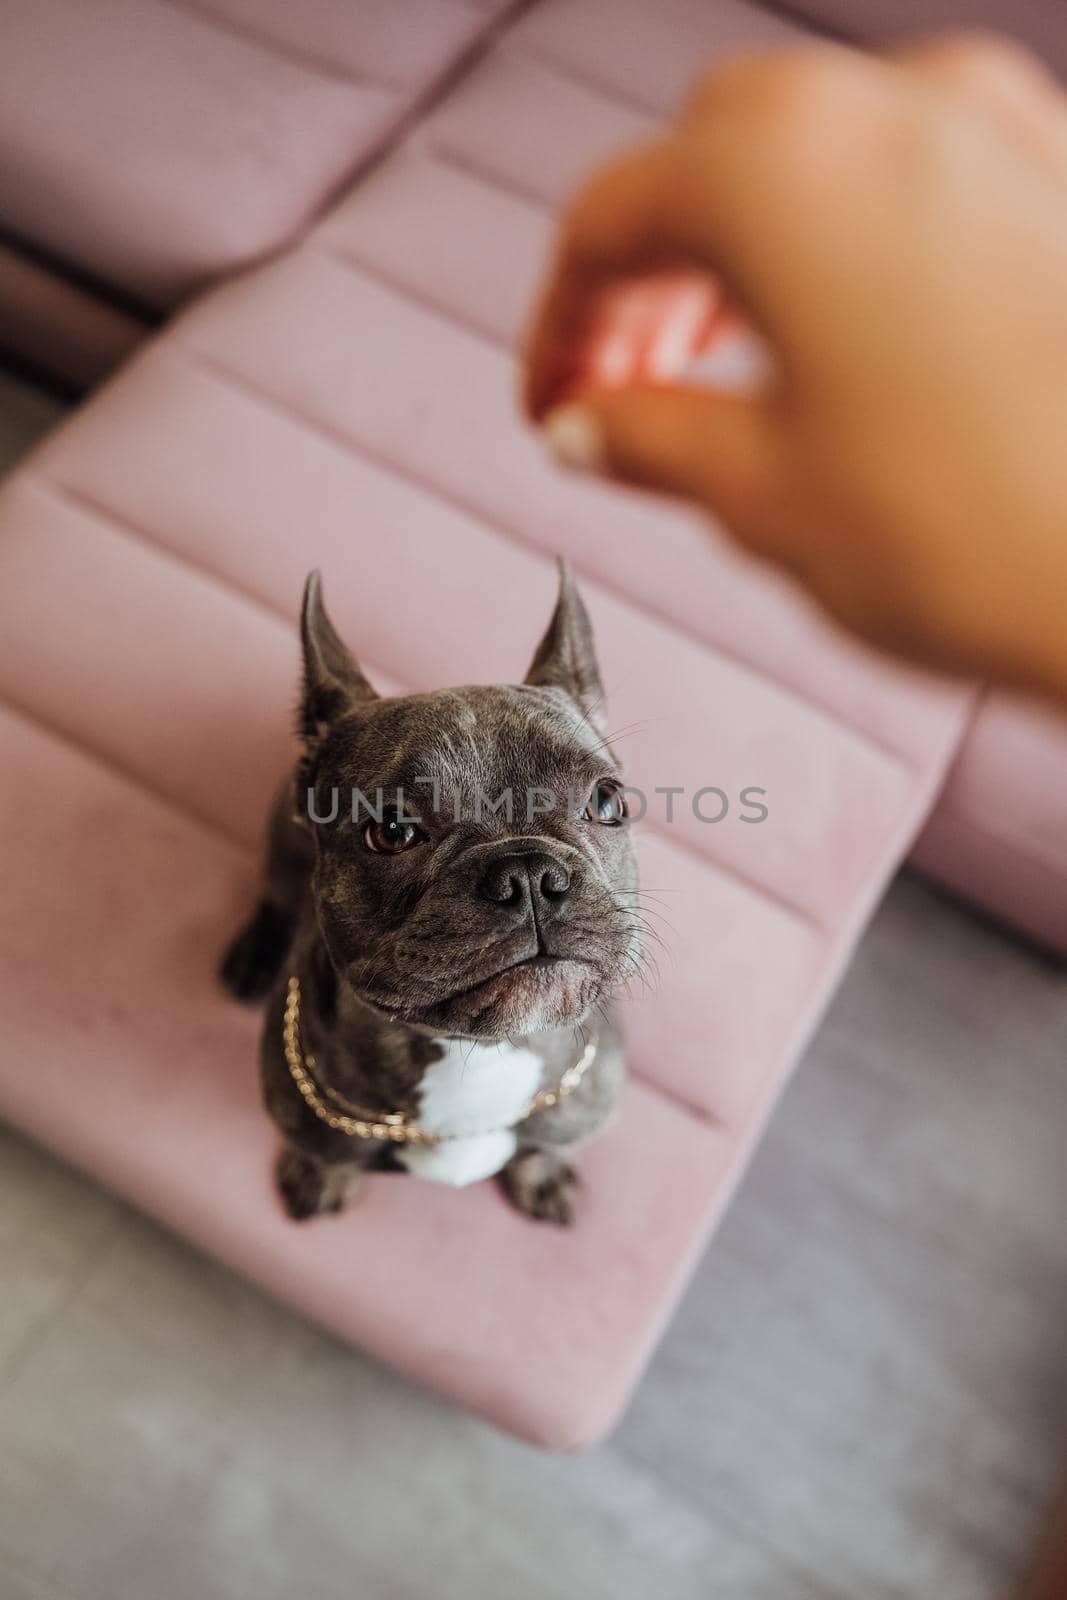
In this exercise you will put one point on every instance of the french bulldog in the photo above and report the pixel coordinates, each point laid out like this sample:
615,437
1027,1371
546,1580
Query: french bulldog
450,904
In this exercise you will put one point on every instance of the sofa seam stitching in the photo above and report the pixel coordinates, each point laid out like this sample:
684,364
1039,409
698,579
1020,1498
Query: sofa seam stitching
350,260
314,65
450,155
544,57
1036,854
134,780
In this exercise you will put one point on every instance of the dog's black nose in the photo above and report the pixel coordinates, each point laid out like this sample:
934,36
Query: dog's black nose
510,878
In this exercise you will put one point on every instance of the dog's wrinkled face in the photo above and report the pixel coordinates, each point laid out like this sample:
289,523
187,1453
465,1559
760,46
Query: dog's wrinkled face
477,879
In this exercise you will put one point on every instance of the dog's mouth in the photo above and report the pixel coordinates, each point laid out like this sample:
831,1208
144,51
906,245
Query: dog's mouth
538,963
536,992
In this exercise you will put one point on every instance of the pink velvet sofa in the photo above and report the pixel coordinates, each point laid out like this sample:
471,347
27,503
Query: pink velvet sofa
337,215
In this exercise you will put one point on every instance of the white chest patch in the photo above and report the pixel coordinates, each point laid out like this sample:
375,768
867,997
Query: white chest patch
474,1094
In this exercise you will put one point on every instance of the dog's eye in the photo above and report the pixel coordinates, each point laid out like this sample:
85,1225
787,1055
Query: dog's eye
392,834
606,804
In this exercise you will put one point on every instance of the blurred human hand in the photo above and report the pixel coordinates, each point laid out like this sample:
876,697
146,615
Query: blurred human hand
895,229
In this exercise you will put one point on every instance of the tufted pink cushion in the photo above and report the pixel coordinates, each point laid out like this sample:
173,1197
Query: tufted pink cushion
1039,24
647,55
156,144
999,833
350,406
65,330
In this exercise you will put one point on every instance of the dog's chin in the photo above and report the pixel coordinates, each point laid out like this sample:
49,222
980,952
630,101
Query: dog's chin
530,997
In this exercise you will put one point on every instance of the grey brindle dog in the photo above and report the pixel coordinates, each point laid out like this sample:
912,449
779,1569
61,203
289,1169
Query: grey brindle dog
450,903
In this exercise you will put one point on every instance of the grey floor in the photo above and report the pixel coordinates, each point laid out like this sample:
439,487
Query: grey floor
864,1396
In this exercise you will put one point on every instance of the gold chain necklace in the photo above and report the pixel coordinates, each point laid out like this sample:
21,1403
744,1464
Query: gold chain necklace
393,1125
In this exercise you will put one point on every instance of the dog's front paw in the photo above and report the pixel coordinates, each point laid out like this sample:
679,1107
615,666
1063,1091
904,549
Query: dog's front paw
541,1185
254,959
308,1189
299,1184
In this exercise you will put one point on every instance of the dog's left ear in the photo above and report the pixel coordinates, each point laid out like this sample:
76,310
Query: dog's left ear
566,657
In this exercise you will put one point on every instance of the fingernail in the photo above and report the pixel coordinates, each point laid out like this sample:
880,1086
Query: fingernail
575,436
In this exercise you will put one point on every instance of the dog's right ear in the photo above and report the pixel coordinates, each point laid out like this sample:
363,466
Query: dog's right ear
333,682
